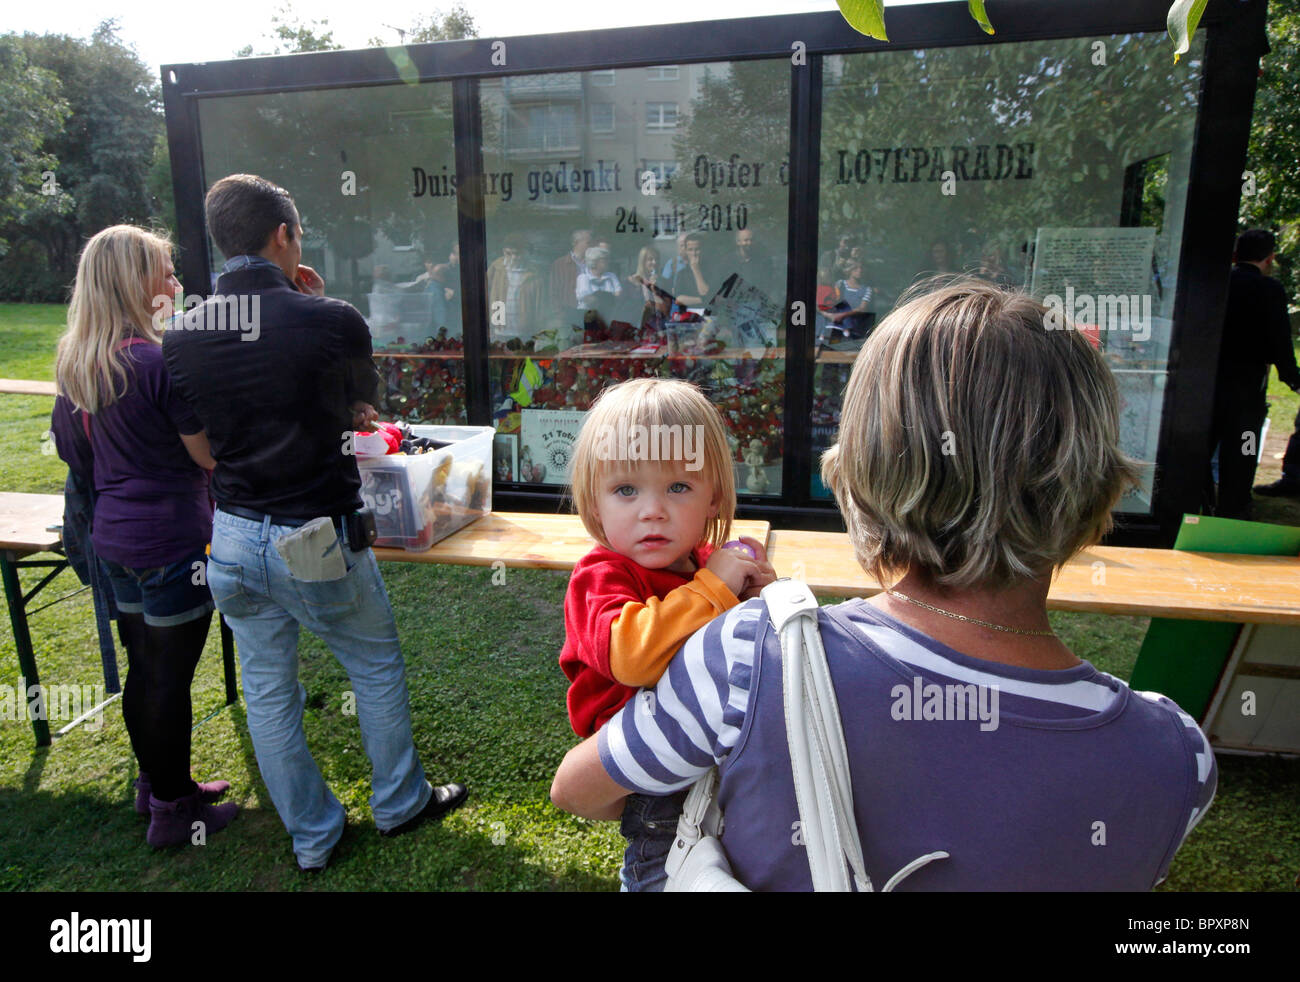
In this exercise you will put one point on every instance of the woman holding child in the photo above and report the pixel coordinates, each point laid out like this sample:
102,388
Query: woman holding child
978,452
126,433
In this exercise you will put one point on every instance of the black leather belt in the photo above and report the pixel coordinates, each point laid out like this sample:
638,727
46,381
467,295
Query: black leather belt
258,516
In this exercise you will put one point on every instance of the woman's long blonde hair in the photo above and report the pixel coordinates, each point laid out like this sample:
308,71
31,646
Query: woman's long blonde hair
118,273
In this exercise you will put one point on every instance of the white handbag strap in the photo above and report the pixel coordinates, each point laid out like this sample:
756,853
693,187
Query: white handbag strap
818,756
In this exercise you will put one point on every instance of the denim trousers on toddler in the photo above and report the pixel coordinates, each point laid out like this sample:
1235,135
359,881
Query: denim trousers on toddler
650,826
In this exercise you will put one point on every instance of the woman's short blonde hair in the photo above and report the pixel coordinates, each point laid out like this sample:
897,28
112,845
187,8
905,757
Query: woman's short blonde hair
113,298
664,408
975,445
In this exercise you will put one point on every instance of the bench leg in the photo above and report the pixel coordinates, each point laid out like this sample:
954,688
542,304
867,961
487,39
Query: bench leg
22,640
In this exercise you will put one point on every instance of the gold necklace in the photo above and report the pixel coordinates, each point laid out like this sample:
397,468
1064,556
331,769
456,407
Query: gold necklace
971,620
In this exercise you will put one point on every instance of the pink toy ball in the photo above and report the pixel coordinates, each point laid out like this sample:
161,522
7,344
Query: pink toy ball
739,546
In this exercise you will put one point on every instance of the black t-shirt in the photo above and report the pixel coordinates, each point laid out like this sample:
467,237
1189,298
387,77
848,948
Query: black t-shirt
274,392
1257,334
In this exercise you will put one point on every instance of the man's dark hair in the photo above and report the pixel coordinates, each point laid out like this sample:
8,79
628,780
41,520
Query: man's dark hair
1255,245
244,210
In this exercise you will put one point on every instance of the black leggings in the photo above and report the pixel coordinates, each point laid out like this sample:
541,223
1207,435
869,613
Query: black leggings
156,698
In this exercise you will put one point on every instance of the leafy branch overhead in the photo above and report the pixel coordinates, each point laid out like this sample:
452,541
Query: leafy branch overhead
868,17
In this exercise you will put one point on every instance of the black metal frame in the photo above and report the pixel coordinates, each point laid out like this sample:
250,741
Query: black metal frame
1235,40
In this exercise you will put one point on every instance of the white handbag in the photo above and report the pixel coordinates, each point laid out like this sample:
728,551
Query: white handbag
819,762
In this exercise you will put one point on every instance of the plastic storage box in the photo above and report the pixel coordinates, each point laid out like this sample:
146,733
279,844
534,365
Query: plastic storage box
419,499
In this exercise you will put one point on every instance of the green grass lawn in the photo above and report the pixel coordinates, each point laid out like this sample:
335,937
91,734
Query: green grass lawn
488,706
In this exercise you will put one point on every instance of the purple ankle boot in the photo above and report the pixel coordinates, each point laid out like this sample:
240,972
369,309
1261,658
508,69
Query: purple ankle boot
175,823
209,792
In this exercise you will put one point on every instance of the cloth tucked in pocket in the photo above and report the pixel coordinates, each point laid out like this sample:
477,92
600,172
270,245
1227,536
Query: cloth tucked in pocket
313,553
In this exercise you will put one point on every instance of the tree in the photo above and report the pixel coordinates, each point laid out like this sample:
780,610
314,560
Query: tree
290,34
31,113
99,158
162,198
1271,195
455,25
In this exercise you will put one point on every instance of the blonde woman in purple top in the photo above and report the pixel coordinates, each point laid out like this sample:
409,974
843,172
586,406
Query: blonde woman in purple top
127,435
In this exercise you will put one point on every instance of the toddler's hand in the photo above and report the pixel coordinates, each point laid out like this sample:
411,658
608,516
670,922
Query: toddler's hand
732,568
761,575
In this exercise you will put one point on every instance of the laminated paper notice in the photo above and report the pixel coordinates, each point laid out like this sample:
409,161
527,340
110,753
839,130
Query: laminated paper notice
1093,261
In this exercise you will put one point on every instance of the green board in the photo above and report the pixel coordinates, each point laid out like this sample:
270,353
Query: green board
1184,659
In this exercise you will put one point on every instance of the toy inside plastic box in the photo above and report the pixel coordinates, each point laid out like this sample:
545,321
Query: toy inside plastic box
421,498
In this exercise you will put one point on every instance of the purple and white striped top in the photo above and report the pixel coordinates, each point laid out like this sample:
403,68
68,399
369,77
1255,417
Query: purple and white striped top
1029,779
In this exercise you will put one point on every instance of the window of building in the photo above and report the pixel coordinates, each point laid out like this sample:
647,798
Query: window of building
602,117
661,117
604,77
663,73
544,128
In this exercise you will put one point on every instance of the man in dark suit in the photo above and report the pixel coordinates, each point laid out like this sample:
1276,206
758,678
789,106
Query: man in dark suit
1257,334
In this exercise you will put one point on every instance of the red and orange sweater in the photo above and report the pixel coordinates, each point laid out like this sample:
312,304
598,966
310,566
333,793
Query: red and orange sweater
623,623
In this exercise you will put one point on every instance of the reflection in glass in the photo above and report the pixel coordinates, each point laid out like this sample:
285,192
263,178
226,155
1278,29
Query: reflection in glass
373,175
1059,167
650,242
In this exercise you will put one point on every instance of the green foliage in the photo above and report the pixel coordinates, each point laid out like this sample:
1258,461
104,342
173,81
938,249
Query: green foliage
99,157
31,113
976,8
291,34
1184,15
1275,143
162,198
866,17
455,25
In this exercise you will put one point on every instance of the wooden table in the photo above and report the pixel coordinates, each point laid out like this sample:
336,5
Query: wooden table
524,540
26,523
1103,579
1200,586
26,387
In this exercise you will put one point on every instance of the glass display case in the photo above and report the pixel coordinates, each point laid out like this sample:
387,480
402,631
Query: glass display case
525,221
1058,167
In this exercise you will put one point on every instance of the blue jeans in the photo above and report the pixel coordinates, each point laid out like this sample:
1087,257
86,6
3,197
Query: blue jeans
650,826
264,606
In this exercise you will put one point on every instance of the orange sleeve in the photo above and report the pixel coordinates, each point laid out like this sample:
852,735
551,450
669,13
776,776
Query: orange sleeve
645,636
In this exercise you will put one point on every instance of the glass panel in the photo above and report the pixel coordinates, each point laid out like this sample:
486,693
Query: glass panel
1057,166
372,172
564,322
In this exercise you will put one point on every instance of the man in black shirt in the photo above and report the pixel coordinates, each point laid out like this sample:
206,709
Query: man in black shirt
1257,334
279,375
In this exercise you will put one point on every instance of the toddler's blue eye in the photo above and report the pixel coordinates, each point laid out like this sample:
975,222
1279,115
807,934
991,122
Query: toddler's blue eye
625,490
679,487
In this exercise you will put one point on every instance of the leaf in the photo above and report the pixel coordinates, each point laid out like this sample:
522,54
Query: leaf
865,16
1184,15
976,8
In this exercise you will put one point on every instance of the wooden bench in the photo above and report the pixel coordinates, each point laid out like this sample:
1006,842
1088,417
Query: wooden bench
1201,586
1103,579
26,387
526,540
